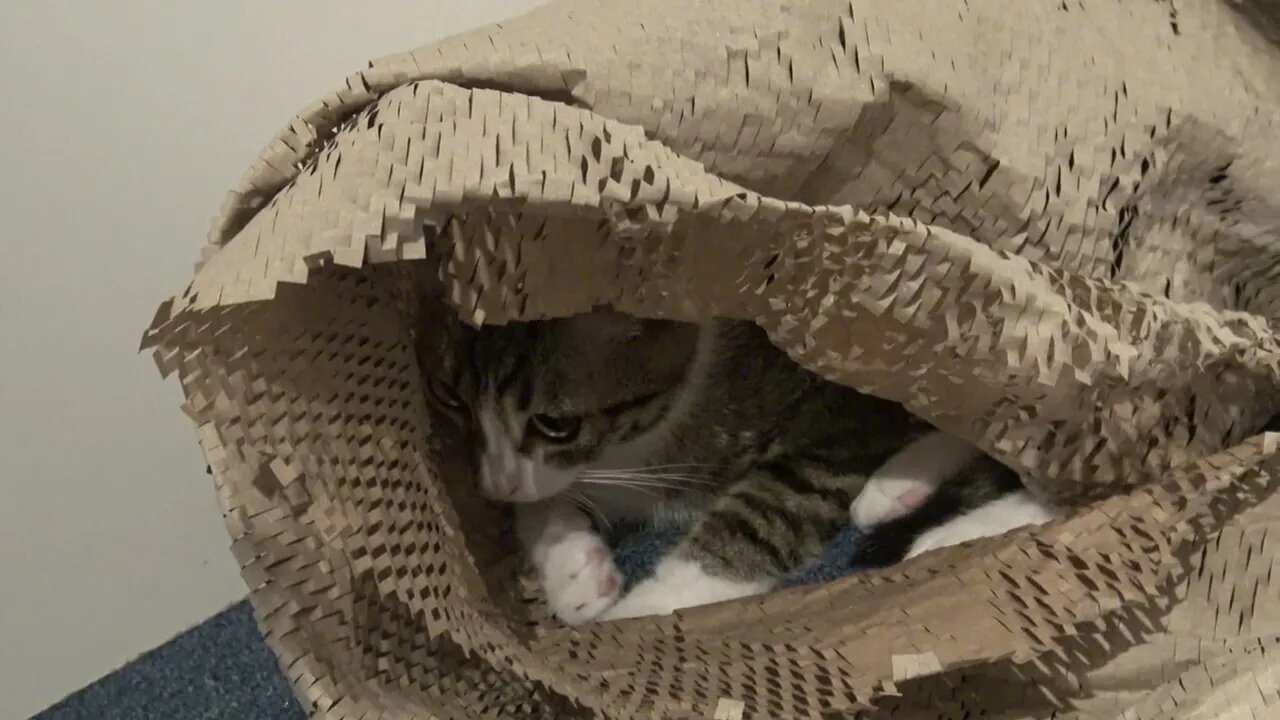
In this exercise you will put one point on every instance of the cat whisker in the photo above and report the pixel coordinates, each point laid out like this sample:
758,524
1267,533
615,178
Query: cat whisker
658,479
690,468
630,479
636,483
583,502
648,473
646,489
668,479
686,484
683,477
645,468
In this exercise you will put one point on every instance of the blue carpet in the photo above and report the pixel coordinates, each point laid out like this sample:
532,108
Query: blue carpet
219,670
222,670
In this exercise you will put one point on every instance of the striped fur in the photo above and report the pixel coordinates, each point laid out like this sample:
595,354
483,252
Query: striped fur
781,451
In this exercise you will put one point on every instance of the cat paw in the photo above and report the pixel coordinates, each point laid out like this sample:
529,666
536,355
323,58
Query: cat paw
883,500
580,578
906,480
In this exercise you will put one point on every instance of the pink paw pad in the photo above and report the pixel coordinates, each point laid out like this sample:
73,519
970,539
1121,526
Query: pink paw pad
595,556
884,500
912,499
607,585
580,578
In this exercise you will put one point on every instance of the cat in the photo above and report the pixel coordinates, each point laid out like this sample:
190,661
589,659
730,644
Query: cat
585,420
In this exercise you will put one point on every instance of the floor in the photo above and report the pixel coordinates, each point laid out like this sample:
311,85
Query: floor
218,670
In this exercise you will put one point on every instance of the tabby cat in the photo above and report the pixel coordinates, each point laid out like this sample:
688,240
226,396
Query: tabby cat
585,420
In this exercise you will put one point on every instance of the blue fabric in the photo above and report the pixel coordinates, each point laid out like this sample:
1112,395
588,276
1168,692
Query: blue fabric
637,550
836,562
222,669
219,670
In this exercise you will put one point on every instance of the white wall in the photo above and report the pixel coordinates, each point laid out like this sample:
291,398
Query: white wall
122,125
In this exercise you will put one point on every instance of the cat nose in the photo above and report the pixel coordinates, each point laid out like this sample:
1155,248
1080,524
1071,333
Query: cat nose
490,430
504,474
499,475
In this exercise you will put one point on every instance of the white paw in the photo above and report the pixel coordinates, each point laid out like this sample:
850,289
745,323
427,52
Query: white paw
906,480
885,499
580,578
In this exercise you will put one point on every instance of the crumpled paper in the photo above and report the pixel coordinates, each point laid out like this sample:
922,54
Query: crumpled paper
1051,228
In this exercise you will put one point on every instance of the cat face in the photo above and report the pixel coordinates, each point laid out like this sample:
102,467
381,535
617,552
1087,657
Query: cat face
549,400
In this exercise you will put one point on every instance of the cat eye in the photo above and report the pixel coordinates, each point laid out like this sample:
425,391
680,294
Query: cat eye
445,394
556,429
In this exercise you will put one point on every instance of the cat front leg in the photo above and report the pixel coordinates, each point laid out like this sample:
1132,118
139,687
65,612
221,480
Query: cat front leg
574,565
909,478
680,582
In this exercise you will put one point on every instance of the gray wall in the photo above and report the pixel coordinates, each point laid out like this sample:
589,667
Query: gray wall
122,125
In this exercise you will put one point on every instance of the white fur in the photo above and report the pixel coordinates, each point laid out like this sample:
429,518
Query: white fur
679,583
573,562
909,477
507,475
999,516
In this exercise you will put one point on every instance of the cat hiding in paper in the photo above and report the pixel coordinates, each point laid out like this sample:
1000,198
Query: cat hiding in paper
584,421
